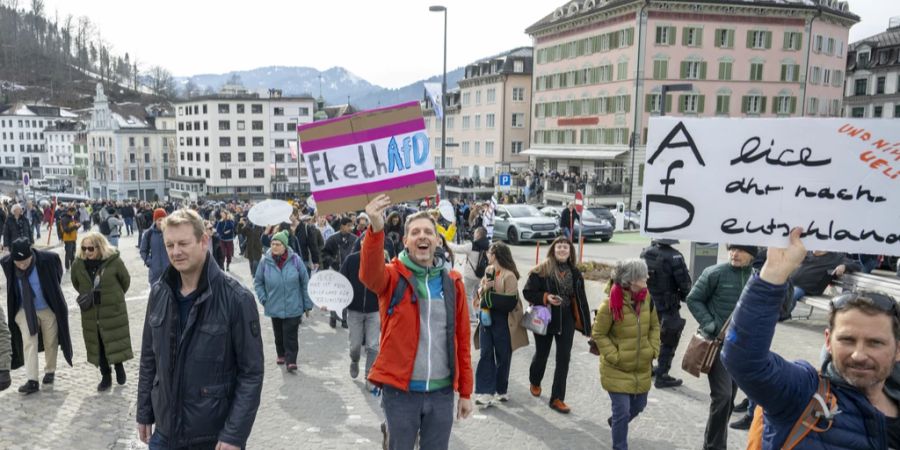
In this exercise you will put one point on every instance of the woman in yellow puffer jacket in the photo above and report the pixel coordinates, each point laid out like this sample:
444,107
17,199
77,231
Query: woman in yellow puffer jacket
626,332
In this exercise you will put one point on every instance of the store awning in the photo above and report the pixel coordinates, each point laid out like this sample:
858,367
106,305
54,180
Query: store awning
574,153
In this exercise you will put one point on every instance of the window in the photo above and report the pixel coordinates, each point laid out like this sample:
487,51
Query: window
278,111
818,44
862,59
224,108
130,140
258,156
623,70
489,148
258,141
660,69
256,108
691,104
725,68
491,95
759,39
692,37
224,125
242,141
241,125
240,108
259,173
450,121
790,72
879,85
489,121
792,40
204,108
518,66
516,147
279,127
465,147
897,110
478,97
133,174
518,120
225,157
465,98
756,72
860,87
785,105
754,104
693,70
813,106
303,111
723,101
256,125
224,141
858,112
477,121
518,94
826,77
829,46
877,111
225,173
665,35
279,143
815,76
465,123
477,148
242,173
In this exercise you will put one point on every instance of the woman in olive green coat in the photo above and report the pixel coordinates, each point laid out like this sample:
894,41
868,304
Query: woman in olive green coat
626,331
105,323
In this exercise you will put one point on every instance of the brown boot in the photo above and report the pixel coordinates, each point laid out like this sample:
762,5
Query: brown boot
535,390
559,406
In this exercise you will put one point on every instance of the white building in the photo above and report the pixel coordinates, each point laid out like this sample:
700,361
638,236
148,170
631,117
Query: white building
60,141
130,157
234,141
873,75
22,142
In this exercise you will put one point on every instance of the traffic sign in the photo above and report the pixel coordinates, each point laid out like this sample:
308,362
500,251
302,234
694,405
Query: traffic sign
26,178
579,202
505,179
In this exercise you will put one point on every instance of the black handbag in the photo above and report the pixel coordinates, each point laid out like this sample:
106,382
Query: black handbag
92,297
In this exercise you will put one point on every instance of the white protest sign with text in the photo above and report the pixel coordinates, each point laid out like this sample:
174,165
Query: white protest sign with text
749,181
330,290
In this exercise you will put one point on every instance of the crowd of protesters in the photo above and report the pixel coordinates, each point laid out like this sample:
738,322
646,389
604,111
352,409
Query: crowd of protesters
414,312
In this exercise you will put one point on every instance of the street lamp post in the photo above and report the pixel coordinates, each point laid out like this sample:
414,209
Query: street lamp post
443,9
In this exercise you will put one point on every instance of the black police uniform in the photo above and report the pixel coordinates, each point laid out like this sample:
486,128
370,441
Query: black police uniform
669,283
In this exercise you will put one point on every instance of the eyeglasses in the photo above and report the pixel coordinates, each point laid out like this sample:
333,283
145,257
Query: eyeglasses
881,301
87,249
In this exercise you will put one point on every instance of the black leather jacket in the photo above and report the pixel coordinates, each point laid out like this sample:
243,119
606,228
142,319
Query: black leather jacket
204,386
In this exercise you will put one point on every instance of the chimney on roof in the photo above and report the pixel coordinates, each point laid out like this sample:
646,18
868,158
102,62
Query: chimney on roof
894,22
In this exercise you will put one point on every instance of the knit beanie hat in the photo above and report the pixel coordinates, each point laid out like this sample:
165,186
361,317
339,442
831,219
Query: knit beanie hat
159,213
281,236
752,250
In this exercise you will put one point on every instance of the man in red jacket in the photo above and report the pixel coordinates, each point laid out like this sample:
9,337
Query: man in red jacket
424,351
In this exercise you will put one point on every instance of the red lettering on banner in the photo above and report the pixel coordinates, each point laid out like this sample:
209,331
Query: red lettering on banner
890,151
578,121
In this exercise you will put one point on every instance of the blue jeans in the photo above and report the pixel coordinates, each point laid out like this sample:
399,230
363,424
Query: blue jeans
625,407
129,225
37,230
426,415
114,241
492,372
160,442
798,294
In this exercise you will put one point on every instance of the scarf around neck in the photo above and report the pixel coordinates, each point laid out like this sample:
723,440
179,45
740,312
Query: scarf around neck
420,273
617,301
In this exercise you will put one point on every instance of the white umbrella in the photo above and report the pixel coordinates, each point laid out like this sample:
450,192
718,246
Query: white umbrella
270,212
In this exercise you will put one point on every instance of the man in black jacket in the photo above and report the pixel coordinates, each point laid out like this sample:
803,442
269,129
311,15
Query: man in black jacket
362,313
309,242
201,356
817,270
567,220
336,249
36,303
16,226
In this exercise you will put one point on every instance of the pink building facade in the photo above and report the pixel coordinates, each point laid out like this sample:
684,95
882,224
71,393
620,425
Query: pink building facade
600,67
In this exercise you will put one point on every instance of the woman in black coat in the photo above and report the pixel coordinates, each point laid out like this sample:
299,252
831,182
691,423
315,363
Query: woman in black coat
557,284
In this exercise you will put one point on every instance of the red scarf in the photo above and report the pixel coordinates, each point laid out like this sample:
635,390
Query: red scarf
280,260
617,301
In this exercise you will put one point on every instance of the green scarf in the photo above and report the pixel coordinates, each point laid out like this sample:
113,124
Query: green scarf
419,274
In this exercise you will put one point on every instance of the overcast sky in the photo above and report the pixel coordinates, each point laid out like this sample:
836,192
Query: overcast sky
390,43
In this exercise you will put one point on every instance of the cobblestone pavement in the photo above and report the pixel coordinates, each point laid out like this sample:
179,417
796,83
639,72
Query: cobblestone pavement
321,407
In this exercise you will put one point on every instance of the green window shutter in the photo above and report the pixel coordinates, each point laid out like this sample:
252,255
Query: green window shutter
614,40
783,72
644,141
749,38
787,41
664,70
684,69
718,35
797,73
671,36
726,103
703,70
768,39
745,104
668,103
627,103
629,34
699,37
730,38
647,99
681,100
684,36
793,105
762,104
718,104
701,104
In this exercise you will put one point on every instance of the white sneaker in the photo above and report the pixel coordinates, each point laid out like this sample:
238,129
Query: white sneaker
484,400
503,398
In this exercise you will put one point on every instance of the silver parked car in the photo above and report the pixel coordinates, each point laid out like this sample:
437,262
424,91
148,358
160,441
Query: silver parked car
520,223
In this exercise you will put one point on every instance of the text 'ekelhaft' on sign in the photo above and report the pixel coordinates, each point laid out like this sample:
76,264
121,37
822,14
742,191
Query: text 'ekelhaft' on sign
352,159
749,181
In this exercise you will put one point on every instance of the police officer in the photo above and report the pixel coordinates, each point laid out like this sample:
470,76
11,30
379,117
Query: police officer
669,284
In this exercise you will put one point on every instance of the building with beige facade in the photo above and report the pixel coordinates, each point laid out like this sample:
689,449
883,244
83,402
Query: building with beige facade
873,75
488,119
131,150
600,67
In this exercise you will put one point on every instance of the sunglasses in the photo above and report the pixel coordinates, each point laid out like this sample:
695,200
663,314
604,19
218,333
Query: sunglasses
881,301
87,249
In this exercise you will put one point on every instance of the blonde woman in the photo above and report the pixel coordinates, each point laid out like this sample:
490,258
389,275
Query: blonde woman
105,324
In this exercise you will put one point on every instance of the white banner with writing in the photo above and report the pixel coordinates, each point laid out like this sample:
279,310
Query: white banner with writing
749,181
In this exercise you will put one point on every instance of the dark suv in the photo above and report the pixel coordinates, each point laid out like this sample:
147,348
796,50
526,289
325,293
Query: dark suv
603,213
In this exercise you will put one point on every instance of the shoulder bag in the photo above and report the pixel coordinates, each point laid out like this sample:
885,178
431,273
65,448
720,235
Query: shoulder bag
86,300
702,352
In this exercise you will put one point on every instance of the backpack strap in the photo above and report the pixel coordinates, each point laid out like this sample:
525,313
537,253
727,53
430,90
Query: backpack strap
399,290
823,405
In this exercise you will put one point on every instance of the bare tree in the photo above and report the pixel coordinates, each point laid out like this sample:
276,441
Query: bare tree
160,81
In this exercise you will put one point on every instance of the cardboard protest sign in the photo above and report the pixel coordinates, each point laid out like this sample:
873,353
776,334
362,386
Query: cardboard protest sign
330,290
352,159
749,181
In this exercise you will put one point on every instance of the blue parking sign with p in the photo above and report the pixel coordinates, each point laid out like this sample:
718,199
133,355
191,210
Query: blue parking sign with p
505,179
